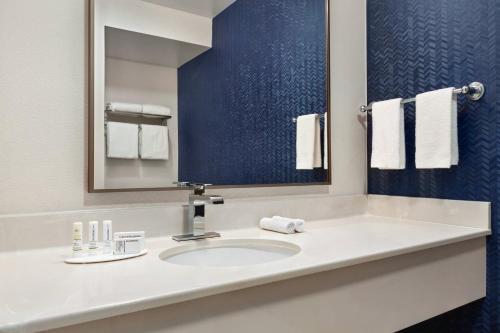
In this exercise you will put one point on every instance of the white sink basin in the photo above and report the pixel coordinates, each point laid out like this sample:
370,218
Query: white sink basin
230,252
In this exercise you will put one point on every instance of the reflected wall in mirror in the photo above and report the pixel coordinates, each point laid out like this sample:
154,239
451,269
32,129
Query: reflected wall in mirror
208,91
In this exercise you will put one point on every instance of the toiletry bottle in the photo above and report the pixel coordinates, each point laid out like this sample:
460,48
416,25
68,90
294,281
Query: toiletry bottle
107,236
77,238
93,236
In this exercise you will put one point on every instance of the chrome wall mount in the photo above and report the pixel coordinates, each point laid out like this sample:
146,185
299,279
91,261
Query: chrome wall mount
474,92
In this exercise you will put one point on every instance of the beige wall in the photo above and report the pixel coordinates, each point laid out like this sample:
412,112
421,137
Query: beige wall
43,105
135,82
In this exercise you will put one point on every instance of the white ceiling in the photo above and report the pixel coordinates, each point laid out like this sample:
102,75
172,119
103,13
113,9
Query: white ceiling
207,8
134,46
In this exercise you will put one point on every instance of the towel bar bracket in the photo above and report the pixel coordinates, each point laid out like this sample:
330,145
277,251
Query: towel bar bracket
474,92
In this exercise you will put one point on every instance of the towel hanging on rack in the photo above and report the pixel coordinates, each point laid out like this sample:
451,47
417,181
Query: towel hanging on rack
122,140
436,136
308,142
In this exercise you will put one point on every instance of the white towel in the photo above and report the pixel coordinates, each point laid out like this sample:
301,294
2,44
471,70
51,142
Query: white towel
285,227
300,225
436,135
153,142
122,140
325,142
388,135
127,107
156,109
308,142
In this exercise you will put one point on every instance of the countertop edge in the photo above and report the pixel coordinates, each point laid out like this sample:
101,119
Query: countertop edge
98,313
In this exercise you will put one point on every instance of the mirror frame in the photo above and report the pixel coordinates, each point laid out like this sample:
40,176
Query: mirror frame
90,149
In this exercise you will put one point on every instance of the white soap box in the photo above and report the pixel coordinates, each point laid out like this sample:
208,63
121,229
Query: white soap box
129,242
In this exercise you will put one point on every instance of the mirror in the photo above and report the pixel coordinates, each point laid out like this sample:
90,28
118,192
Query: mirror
208,91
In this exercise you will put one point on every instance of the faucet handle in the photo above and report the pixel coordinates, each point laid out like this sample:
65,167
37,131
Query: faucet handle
199,189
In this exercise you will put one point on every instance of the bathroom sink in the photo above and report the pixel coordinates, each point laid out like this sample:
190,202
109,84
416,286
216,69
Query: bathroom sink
230,252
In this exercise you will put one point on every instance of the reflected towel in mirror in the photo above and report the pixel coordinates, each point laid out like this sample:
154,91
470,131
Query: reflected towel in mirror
308,142
124,107
154,142
325,141
122,140
156,109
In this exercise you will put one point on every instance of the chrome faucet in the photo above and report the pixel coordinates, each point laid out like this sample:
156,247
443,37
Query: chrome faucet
196,212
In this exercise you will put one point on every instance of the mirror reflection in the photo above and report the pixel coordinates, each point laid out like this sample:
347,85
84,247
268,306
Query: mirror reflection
225,92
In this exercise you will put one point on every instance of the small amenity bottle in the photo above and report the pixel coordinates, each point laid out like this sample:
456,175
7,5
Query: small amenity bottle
93,236
107,236
77,238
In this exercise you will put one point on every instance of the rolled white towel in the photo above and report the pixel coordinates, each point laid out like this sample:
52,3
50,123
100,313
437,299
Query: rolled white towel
300,225
285,227
127,107
156,109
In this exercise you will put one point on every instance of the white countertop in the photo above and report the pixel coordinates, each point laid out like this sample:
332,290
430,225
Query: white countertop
39,292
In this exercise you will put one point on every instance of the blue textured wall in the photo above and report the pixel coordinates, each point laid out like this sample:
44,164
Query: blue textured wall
420,45
237,100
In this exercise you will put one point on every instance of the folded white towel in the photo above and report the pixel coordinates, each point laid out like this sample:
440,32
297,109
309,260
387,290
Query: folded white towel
325,142
122,140
156,109
436,135
308,142
127,107
153,142
299,223
388,135
285,227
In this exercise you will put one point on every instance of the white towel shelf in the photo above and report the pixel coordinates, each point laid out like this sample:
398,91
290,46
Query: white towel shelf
135,117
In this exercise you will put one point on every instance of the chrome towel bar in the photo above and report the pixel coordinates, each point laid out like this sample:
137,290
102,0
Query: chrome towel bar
319,115
473,91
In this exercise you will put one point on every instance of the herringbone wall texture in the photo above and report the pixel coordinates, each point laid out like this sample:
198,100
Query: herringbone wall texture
237,100
420,45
